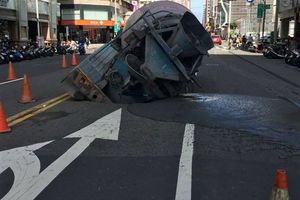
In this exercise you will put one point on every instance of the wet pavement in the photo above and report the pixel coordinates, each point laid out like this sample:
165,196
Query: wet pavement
225,111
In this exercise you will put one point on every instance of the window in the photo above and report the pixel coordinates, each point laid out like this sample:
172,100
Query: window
70,14
95,15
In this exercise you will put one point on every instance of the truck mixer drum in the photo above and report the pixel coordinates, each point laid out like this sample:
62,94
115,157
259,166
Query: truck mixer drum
156,56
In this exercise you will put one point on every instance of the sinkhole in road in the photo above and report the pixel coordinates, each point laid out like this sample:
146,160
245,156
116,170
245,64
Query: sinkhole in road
225,111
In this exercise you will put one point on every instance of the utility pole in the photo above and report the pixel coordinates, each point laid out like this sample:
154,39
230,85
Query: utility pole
37,22
276,21
264,19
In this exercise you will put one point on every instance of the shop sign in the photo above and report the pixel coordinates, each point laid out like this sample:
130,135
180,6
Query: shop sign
82,22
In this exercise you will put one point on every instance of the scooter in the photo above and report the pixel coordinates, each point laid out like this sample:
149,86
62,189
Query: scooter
15,55
276,51
293,58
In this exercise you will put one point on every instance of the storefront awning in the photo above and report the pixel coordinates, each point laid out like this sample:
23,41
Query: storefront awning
83,22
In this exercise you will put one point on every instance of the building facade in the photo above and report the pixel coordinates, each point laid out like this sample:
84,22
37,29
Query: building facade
18,19
245,16
94,19
287,15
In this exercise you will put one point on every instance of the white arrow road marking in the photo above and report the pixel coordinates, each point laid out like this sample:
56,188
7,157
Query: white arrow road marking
184,181
32,185
23,162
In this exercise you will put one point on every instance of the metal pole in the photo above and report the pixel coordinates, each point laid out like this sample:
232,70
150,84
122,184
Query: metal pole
37,20
116,17
220,19
264,19
250,16
229,20
276,21
259,24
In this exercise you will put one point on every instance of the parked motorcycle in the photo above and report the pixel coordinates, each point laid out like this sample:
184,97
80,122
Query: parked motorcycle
276,51
15,55
27,52
293,58
2,58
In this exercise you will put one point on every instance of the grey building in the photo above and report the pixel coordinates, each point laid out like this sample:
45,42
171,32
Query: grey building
245,15
18,19
287,15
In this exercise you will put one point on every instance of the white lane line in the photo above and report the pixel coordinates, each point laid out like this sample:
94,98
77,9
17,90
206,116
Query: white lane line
29,182
184,181
7,82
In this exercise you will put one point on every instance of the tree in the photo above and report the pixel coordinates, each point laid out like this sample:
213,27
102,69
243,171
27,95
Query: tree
233,26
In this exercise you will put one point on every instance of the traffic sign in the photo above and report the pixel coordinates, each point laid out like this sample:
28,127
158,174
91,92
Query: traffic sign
260,10
249,1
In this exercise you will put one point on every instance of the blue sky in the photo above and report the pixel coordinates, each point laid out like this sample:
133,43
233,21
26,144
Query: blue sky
197,8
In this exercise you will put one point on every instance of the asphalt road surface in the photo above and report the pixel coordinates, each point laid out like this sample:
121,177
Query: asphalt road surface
225,141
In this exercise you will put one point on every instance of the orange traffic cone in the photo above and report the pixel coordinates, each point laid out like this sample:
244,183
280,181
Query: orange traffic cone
280,187
63,61
74,60
3,123
26,94
11,72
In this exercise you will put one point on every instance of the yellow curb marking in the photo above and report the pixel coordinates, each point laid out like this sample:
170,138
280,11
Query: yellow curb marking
26,114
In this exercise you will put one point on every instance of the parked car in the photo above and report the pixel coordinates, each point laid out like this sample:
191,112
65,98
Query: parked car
216,39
